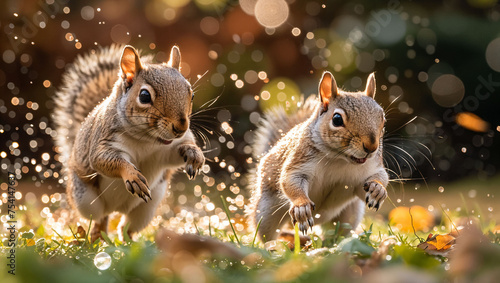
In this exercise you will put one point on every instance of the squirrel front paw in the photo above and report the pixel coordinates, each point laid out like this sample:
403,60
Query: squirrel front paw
136,183
301,211
193,156
375,194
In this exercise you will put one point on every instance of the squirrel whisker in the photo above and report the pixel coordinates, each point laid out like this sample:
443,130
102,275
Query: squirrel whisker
103,191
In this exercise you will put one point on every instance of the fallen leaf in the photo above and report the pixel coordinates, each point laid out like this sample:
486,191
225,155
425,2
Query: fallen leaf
30,242
438,244
289,238
80,232
182,252
171,243
472,122
401,217
80,236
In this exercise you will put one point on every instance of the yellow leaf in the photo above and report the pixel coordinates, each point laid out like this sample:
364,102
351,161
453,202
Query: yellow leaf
472,122
30,242
401,217
438,244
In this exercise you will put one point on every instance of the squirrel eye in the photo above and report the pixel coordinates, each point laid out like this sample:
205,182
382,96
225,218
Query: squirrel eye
337,120
144,96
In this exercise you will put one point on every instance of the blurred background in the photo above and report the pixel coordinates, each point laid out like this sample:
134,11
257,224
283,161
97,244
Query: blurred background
437,66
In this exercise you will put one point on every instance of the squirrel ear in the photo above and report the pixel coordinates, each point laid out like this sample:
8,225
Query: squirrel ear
327,89
130,63
370,86
175,58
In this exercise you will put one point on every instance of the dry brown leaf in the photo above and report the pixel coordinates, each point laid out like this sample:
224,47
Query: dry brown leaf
289,238
181,254
80,232
172,243
472,122
438,244
80,236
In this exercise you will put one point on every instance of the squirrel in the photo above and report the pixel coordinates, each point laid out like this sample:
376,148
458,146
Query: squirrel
328,160
120,148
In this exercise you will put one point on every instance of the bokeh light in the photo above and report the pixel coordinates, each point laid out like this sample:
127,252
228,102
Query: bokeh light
493,54
271,13
280,91
448,90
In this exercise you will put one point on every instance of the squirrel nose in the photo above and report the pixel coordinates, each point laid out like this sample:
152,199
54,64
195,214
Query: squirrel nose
180,127
370,143
370,147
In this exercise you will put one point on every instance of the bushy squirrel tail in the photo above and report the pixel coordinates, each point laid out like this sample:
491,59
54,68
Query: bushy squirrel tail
85,83
277,122
274,125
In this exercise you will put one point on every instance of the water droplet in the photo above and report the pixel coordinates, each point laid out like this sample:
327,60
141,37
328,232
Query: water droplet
472,193
441,189
102,261
117,254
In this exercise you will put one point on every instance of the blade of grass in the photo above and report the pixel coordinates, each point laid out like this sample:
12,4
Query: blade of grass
413,226
126,237
104,235
87,235
58,235
296,248
337,228
209,227
196,227
74,235
229,218
80,244
256,231
449,218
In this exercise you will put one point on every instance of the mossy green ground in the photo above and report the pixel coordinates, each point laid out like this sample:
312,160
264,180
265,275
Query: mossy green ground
379,253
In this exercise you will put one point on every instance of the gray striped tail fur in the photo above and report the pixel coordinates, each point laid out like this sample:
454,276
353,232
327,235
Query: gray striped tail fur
85,83
277,122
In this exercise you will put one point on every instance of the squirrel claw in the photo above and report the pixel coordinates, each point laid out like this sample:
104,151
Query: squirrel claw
136,183
190,172
375,195
193,156
310,221
303,215
147,194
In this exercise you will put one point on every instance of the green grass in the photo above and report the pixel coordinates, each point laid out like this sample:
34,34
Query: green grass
378,251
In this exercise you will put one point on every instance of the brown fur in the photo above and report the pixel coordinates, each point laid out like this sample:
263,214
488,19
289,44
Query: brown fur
123,137
317,166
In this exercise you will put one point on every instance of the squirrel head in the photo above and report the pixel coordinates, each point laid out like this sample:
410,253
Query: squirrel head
156,100
350,123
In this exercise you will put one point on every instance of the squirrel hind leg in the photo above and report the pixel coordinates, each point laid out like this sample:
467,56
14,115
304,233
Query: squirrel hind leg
352,214
272,213
84,197
100,226
141,215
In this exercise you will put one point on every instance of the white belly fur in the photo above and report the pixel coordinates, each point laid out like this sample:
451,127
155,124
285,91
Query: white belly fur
152,161
334,186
